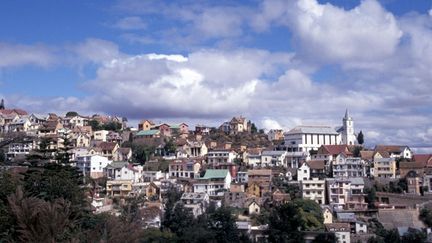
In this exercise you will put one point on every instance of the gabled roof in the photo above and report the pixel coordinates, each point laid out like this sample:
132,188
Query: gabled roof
260,172
390,148
107,145
215,174
117,165
424,159
335,149
367,154
13,111
316,164
410,165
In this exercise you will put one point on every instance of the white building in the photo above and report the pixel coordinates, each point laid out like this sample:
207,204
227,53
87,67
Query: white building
214,182
348,166
100,135
124,171
344,193
347,130
221,156
92,165
306,138
273,158
314,190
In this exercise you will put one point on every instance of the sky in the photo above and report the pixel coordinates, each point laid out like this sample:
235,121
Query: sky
280,63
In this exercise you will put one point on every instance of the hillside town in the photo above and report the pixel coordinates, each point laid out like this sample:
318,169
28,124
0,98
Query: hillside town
339,189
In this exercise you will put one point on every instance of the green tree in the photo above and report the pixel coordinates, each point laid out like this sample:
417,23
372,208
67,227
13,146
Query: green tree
426,216
371,197
414,236
223,226
360,138
63,154
170,147
285,224
254,129
94,125
71,114
178,220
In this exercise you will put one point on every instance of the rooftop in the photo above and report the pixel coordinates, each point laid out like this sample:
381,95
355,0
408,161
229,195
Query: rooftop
313,130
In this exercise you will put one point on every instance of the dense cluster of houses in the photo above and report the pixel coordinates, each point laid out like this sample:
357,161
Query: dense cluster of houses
323,162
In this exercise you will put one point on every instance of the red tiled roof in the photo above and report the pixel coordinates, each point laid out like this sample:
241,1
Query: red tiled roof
390,148
107,145
424,159
12,111
316,164
337,149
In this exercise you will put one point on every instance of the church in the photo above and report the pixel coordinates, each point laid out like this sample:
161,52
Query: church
306,138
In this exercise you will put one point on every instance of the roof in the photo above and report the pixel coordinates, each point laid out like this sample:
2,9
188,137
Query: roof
259,172
390,148
336,149
367,154
383,154
410,165
116,165
13,111
107,145
313,130
357,181
399,218
273,153
316,164
215,174
193,195
424,159
148,133
339,227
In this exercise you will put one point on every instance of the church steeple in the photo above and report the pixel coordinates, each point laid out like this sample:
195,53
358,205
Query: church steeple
347,116
2,107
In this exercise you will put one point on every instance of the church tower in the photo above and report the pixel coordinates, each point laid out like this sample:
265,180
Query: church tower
348,135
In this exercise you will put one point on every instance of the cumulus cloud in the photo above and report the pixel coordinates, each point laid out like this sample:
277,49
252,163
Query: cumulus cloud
13,55
96,50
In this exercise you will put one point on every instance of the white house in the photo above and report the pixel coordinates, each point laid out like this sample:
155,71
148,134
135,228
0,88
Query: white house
124,171
221,156
100,135
92,165
342,231
214,182
348,166
273,158
314,190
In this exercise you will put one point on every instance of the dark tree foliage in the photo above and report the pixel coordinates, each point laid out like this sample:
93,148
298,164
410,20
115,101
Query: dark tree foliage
325,238
170,147
94,125
371,197
254,129
284,224
71,114
223,226
360,138
414,236
426,216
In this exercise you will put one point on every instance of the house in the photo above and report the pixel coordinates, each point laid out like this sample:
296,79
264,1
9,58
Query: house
22,124
414,181
236,196
100,135
196,202
123,154
347,166
50,127
20,149
192,148
275,134
119,188
346,193
152,191
273,158
164,129
124,171
262,178
76,121
184,168
114,137
149,176
145,125
92,165
81,140
254,208
239,125
178,129
252,156
424,159
341,230
109,149
151,217
327,214
202,129
383,167
314,189
221,156
279,197
407,167
214,182
241,177
311,169
395,151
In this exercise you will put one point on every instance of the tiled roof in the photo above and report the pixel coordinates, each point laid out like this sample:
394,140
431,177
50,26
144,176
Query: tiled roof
337,149
424,159
313,130
411,165
116,165
390,148
366,154
107,145
259,172
316,164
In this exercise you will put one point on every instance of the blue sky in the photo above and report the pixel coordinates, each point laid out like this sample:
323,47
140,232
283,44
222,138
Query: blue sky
281,63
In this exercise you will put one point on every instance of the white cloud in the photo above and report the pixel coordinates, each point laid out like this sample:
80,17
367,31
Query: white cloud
13,55
268,123
97,50
131,23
